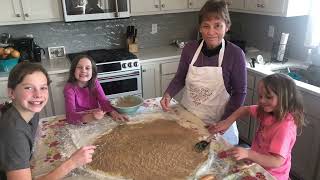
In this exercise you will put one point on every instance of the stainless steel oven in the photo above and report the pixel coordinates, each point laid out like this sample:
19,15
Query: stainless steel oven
121,83
119,71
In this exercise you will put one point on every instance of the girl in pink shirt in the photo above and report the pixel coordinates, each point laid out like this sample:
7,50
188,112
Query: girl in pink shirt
85,99
279,112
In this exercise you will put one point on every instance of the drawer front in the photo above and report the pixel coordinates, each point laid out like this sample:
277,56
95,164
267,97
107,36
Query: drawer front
169,68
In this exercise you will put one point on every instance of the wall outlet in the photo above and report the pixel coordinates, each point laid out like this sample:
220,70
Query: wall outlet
271,31
154,29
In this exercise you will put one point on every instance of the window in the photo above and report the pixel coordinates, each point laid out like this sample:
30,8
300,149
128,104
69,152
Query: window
313,29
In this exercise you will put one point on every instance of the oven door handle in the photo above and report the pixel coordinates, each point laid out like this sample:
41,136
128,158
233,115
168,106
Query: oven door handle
120,76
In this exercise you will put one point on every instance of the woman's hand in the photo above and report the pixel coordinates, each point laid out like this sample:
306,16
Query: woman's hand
82,156
118,117
238,153
165,102
98,114
219,127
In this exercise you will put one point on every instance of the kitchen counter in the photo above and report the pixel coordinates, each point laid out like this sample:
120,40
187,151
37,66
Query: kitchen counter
159,53
266,69
56,140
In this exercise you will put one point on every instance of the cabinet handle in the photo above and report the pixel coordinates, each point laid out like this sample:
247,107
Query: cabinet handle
156,6
190,4
26,15
117,9
18,15
163,6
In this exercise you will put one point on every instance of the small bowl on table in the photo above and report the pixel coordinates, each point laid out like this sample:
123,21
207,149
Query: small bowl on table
127,104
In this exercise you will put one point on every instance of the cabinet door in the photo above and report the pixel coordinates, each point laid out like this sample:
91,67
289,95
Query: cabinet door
150,78
144,6
236,4
196,4
254,124
305,153
57,97
244,123
10,11
165,81
174,5
42,10
270,6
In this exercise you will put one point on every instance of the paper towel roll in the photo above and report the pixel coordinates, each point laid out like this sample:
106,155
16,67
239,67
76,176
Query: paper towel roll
284,38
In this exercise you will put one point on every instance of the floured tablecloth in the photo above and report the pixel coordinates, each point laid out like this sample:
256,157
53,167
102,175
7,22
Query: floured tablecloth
56,140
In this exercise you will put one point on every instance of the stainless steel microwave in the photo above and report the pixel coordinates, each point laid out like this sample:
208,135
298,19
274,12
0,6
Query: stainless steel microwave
83,10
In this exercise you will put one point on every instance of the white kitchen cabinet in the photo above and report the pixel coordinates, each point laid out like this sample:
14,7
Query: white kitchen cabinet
148,7
271,6
29,11
285,8
144,6
196,4
56,91
165,81
236,4
10,12
157,75
150,80
169,5
168,71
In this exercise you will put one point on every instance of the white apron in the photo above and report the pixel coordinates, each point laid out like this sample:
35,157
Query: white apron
205,94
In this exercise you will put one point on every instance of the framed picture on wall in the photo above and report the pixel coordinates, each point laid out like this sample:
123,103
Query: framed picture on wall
56,52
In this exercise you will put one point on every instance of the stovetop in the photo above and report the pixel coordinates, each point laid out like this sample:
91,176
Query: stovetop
106,55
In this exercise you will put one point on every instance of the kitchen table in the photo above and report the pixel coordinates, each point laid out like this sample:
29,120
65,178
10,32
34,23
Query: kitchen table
53,145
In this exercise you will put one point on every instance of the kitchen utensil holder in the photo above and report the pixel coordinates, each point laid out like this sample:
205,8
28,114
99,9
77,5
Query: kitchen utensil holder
132,45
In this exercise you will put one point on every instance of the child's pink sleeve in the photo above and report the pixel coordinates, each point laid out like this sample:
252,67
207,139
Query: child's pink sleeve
70,98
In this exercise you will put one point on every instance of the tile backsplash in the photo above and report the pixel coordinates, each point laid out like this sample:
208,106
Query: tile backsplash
86,35
79,36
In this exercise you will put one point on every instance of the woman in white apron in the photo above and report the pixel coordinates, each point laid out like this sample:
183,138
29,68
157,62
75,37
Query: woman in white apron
213,72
